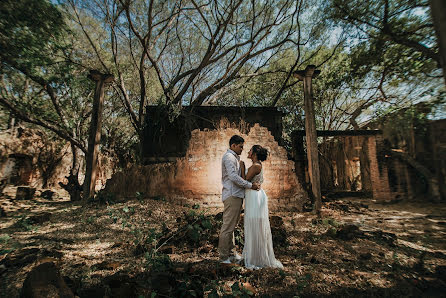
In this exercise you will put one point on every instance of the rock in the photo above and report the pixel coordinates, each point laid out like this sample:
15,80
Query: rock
45,281
40,218
2,212
25,193
249,287
48,194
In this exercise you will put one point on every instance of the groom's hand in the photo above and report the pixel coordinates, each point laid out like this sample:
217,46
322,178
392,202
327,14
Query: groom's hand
255,186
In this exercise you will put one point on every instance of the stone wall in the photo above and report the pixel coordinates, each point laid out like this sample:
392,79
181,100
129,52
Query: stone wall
197,176
28,157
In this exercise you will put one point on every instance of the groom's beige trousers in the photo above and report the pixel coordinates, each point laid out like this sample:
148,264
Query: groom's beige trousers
231,216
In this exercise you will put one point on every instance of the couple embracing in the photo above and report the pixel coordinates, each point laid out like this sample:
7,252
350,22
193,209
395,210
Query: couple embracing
241,184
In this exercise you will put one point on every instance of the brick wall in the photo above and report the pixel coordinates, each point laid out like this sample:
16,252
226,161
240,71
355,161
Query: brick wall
197,176
378,169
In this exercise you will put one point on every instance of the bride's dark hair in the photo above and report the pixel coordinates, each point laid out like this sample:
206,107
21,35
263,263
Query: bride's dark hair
260,152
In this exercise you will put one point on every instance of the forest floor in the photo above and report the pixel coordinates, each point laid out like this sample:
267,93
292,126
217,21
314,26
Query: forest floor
144,246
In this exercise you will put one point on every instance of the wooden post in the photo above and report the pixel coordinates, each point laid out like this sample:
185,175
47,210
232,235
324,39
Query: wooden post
310,131
94,137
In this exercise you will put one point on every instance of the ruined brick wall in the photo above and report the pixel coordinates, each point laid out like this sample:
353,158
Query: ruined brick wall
378,169
341,163
197,176
25,154
167,139
355,163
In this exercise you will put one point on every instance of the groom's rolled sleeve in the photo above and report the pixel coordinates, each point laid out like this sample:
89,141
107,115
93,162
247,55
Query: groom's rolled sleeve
233,174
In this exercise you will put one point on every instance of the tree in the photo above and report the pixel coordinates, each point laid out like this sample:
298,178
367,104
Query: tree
399,30
437,10
37,85
185,51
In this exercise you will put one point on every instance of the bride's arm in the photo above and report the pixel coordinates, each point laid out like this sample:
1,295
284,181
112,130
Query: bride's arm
252,171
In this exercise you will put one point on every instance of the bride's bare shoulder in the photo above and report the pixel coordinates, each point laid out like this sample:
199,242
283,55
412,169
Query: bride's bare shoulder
257,167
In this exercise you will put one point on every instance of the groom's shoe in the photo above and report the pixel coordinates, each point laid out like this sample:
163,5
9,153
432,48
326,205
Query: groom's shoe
237,258
227,261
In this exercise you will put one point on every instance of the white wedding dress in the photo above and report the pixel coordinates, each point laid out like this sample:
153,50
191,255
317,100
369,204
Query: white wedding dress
258,251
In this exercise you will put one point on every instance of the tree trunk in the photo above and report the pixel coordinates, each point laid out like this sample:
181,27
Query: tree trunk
94,138
438,8
310,133
11,121
73,187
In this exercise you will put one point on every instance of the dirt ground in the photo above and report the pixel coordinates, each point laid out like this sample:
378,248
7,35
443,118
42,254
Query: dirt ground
148,247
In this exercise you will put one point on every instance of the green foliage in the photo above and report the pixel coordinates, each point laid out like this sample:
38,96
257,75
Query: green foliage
4,239
29,29
388,26
215,288
239,291
190,287
158,262
402,125
25,223
330,222
144,240
4,247
199,227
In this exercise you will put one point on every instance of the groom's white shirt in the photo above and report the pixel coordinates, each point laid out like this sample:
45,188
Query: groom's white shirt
233,184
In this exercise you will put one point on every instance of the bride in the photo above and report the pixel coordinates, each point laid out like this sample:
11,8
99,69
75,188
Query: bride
258,250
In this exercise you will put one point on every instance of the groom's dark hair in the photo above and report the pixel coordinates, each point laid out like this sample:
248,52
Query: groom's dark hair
236,139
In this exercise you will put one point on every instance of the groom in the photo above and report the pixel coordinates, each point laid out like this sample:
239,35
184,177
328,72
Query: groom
232,196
